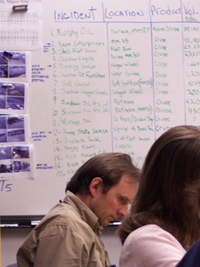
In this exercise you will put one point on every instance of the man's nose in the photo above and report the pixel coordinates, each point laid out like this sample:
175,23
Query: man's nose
123,211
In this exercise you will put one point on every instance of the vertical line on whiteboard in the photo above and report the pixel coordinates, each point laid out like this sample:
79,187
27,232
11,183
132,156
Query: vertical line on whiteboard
109,79
183,58
152,63
103,12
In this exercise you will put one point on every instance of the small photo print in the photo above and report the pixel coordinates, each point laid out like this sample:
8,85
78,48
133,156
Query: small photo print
2,122
14,122
16,103
15,66
12,65
12,98
3,59
3,88
3,71
17,135
16,162
16,71
3,66
2,102
17,59
13,128
3,136
5,152
21,166
17,89
20,152
6,166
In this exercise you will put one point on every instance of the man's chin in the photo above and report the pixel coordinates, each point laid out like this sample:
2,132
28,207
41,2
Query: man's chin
104,223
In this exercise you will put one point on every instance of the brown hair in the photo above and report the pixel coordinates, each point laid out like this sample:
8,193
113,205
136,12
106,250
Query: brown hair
169,189
108,166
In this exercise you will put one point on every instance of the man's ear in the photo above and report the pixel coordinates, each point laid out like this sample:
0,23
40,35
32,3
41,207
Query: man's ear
96,185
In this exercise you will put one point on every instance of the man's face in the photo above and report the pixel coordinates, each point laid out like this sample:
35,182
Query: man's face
110,206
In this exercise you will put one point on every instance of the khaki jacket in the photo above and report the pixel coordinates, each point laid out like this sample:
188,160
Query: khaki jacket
69,235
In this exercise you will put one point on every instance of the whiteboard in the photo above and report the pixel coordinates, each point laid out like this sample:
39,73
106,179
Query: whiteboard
111,76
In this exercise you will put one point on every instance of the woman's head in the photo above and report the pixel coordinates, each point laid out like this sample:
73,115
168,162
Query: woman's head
169,188
171,168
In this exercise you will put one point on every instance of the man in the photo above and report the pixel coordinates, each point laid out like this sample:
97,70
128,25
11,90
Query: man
70,235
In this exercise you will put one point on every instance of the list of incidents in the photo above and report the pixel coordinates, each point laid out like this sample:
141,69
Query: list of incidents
120,74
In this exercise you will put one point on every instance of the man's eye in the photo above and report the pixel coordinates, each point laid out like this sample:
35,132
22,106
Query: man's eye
123,201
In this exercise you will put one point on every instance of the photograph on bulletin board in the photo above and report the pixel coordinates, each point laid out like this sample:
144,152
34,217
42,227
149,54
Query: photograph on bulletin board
13,98
16,162
14,128
15,66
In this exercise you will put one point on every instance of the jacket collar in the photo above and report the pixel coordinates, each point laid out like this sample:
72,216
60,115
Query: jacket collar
83,211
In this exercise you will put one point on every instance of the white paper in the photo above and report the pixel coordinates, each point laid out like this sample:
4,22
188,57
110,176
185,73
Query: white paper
16,67
13,98
14,129
21,30
16,162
